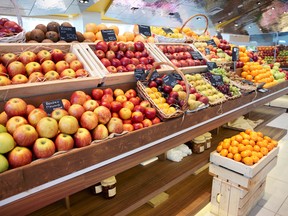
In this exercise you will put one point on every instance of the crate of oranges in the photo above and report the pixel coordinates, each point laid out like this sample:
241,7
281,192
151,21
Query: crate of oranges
245,153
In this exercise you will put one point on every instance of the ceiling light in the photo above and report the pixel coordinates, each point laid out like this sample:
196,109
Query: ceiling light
249,27
84,1
258,2
236,24
219,22
273,8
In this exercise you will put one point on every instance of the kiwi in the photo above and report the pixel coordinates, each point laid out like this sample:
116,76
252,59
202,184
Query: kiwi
52,35
37,35
66,24
41,27
80,36
53,26
27,36
47,41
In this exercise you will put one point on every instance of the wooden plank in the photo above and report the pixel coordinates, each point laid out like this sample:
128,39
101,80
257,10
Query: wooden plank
234,201
216,192
224,198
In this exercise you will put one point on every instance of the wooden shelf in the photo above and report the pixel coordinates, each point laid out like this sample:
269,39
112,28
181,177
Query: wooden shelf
139,184
69,173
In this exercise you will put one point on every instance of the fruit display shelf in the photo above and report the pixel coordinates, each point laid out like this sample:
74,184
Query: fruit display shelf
123,71
182,59
41,84
81,168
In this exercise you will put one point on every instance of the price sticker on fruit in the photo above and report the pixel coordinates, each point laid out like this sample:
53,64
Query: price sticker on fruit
49,106
108,35
145,30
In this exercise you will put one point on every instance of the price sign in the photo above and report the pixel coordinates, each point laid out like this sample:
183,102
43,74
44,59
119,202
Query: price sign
207,51
154,75
139,74
170,80
196,55
145,30
67,33
211,65
177,76
167,30
108,35
49,106
235,54
211,42
216,80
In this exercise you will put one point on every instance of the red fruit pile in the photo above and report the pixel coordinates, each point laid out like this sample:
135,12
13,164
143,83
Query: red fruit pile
9,28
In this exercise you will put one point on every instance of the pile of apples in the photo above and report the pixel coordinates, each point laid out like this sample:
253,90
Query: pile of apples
180,55
29,66
9,28
28,133
123,57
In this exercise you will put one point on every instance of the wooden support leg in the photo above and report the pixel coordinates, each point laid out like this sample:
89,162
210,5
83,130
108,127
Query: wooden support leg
67,203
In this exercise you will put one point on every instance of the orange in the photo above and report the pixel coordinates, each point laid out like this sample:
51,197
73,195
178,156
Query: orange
244,74
254,136
129,36
115,28
245,68
274,142
139,38
91,27
245,142
260,134
245,154
260,155
237,157
234,150
245,135
241,147
249,147
238,138
264,150
249,77
101,27
232,138
224,152
230,149
99,36
230,155
251,142
226,145
259,138
90,36
219,148
234,143
270,146
248,161
256,148
248,131
121,38
255,158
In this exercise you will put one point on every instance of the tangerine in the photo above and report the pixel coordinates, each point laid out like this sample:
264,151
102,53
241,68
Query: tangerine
256,148
244,154
237,157
234,143
260,134
264,150
255,158
248,161
270,146
245,142
230,155
241,147
224,152
260,155
248,131
249,147
238,138
252,142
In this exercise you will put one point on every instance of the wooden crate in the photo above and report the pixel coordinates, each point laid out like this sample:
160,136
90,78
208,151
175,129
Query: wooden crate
190,69
117,78
230,199
41,88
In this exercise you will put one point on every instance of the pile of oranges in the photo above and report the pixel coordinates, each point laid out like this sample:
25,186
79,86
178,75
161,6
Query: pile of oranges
247,147
257,73
243,56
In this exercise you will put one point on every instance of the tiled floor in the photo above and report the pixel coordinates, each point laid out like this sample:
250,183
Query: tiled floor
275,200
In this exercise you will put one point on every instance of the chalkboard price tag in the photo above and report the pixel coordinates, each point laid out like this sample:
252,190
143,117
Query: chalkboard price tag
216,80
49,106
196,55
170,80
207,51
211,65
145,30
154,75
67,33
235,54
108,35
167,30
211,42
177,76
140,74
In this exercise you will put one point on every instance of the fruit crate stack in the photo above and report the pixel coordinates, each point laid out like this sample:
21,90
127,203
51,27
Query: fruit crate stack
238,186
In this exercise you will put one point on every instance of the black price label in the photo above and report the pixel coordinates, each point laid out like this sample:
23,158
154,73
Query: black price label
196,55
154,75
235,54
211,42
67,33
145,30
167,30
216,80
108,35
49,106
207,51
211,65
177,76
170,80
140,74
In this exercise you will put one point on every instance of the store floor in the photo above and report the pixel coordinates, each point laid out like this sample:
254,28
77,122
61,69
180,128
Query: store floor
275,200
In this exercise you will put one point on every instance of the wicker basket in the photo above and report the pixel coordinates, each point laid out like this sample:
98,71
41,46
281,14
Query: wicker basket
191,39
141,85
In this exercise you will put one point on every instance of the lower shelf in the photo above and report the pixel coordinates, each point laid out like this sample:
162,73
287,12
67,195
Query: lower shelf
188,193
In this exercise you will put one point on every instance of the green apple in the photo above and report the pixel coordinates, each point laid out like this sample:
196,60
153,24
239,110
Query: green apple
3,163
7,142
2,128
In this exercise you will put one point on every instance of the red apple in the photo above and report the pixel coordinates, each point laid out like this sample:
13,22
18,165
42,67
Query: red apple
27,56
82,73
106,104
120,54
66,104
143,60
36,77
135,100
30,108
97,94
19,79
105,62
113,45
90,105
131,93
128,104
118,92
141,66
125,113
7,58
107,97
183,63
58,113
48,65
147,123
25,135
78,97
57,55
14,122
69,57
203,99
139,46
163,48
139,108
76,65
110,55
82,138
197,95
68,74
3,70
61,66
64,142
130,46
137,117
102,45
16,67
145,104
19,156
125,61
115,62
33,67
35,116
44,148
68,124
131,67
127,121
112,69
103,114
135,61
116,106
15,107
76,110
100,54
123,47
129,54
121,69
115,125
138,55
128,127
5,81
43,55
156,120
176,63
89,120
108,91
47,127
137,126
152,83
100,132
150,113
51,75
170,49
